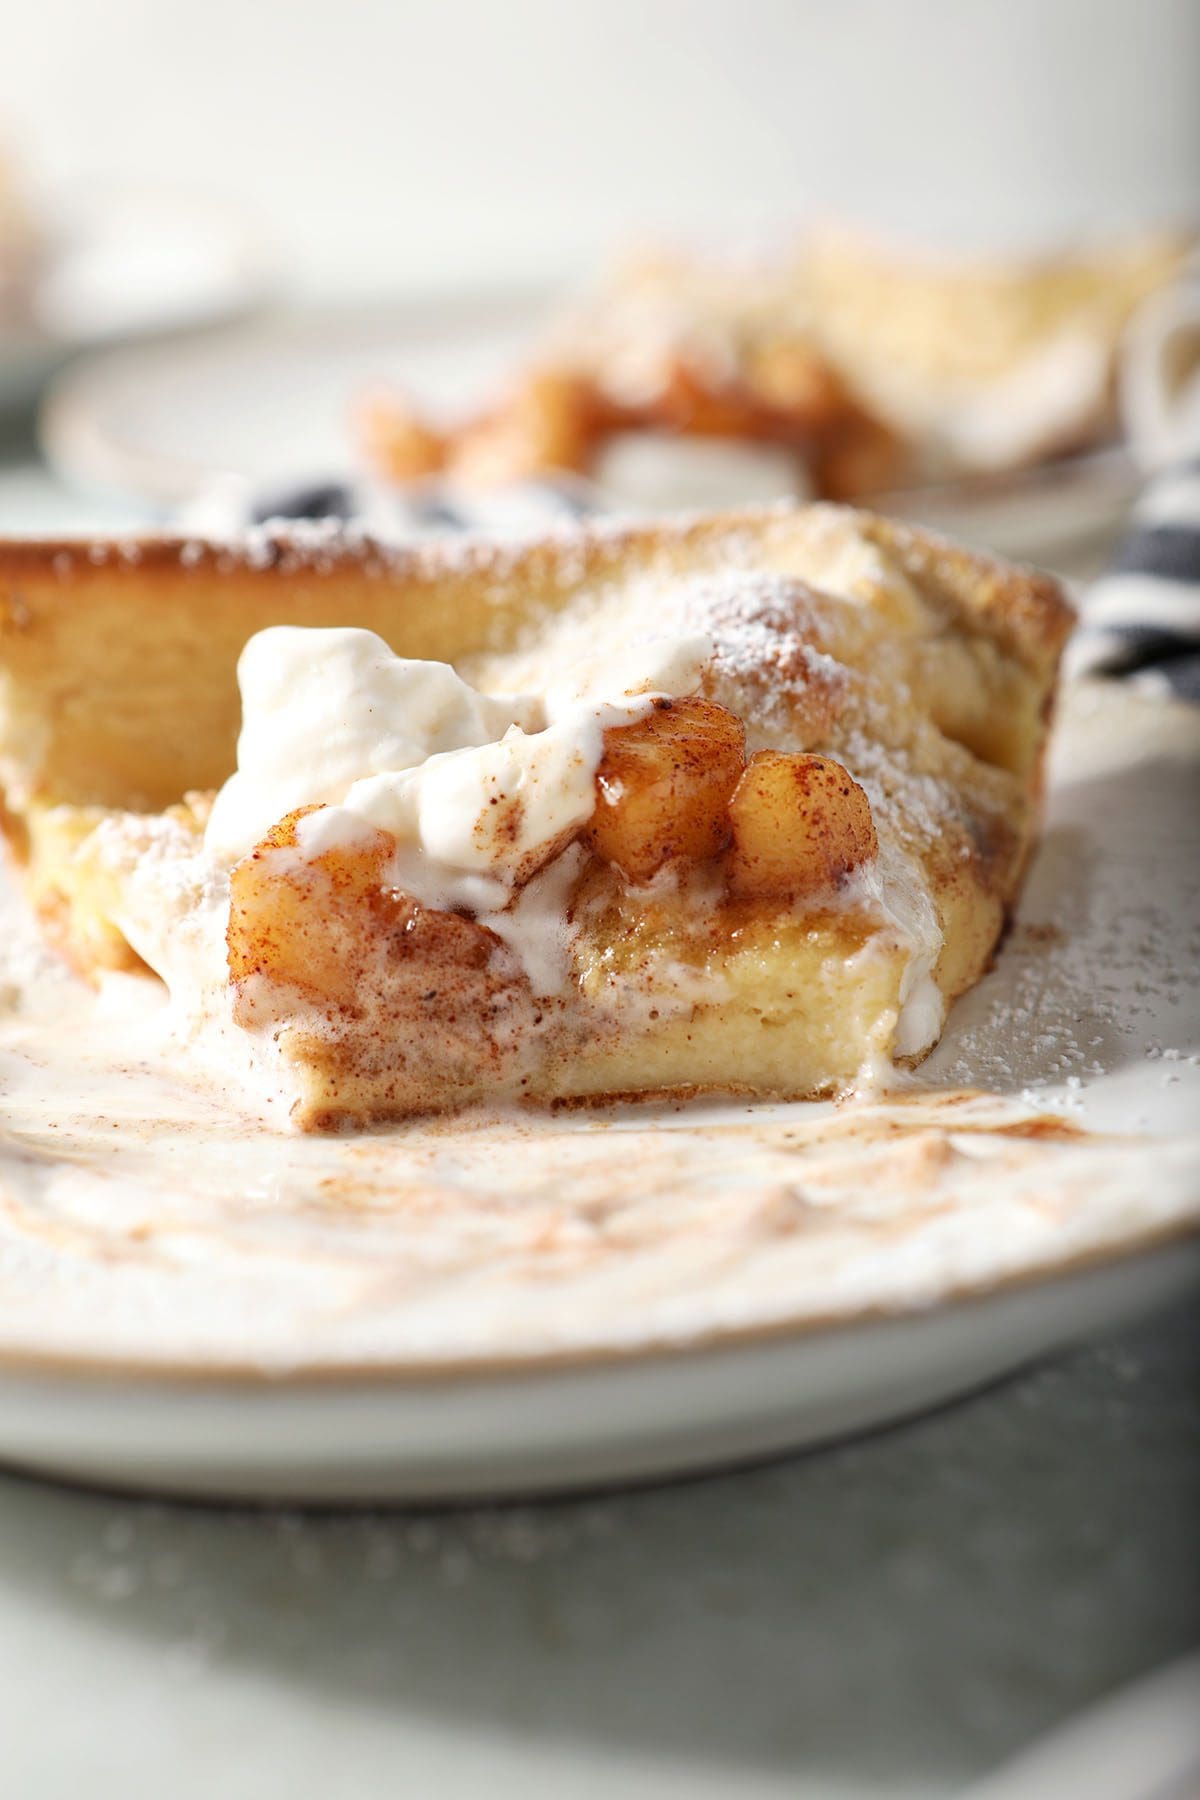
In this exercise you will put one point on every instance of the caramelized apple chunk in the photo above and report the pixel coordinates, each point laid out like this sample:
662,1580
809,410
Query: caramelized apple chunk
547,423
288,914
398,440
799,824
663,786
328,925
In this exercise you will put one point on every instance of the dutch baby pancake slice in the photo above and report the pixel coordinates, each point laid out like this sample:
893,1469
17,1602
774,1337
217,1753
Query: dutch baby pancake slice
737,804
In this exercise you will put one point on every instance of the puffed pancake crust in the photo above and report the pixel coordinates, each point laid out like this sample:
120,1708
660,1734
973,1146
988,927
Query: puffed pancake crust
788,863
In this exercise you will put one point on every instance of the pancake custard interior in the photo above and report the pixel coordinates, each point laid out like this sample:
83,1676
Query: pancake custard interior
736,804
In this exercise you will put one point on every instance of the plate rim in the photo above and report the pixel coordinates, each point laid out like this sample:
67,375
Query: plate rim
160,1373
81,454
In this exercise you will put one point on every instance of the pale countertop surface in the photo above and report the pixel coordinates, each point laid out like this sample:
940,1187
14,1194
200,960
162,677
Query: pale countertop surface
893,1616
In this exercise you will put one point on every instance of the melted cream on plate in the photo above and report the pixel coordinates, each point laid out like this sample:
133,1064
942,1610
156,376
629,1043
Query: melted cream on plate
142,1217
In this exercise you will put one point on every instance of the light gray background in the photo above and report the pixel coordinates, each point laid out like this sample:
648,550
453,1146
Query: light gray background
392,142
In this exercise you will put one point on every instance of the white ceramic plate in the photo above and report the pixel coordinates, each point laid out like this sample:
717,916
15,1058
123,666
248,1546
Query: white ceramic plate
271,401
1142,1743
272,398
127,267
191,1303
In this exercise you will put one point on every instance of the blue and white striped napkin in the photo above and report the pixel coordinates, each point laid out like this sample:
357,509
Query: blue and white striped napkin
1141,619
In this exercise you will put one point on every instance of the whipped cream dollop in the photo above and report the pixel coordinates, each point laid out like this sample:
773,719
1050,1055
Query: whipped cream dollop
477,789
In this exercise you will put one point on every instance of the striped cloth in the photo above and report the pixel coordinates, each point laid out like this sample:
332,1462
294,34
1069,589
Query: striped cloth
1141,619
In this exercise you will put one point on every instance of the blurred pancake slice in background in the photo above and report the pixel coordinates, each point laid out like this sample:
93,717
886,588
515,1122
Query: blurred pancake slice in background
833,367
715,364
986,365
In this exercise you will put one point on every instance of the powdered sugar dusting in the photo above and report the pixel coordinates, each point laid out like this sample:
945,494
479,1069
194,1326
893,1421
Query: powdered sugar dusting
763,625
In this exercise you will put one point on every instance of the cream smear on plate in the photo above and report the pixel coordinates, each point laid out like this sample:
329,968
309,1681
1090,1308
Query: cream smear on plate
142,1217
